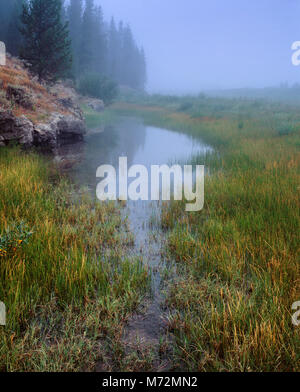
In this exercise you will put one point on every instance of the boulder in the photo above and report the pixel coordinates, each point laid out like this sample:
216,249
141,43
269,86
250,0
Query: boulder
96,104
45,135
59,127
17,129
25,129
70,127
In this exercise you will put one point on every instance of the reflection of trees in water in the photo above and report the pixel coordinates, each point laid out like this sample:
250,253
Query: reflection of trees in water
131,137
121,139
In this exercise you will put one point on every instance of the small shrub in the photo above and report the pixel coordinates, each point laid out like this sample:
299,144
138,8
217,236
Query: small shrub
241,124
97,86
18,95
185,106
13,238
4,103
285,130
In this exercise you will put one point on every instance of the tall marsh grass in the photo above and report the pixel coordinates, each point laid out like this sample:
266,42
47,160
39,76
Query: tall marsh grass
65,279
239,257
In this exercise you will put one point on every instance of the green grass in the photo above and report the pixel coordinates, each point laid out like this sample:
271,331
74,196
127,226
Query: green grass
68,287
239,257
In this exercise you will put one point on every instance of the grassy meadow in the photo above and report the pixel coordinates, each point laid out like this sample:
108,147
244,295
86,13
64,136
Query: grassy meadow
69,285
230,306
66,282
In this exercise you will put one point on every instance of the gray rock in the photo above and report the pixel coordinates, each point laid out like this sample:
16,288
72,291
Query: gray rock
59,127
25,129
96,104
17,129
69,126
47,135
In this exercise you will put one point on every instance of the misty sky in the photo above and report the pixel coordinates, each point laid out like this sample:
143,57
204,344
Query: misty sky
192,45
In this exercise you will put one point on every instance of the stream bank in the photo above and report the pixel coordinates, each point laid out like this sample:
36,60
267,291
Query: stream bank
145,340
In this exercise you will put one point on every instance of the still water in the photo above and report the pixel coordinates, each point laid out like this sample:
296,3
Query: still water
130,137
144,145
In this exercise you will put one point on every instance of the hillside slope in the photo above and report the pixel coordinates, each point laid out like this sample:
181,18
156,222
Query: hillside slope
36,114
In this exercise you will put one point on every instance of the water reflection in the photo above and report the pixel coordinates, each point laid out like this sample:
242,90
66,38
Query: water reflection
142,144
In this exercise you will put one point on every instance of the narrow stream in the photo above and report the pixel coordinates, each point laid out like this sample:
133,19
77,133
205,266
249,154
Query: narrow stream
145,145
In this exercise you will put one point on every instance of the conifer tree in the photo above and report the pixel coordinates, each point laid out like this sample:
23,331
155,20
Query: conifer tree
120,54
63,12
97,48
13,35
75,25
87,53
129,55
100,43
47,47
6,8
142,70
113,50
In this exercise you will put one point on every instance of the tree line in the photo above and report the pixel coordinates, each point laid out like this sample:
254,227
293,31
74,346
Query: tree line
74,40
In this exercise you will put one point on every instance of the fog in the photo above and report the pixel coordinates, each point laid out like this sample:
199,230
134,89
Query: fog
194,45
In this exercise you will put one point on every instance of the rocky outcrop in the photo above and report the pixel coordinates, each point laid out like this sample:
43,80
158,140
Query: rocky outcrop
35,114
17,129
58,127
